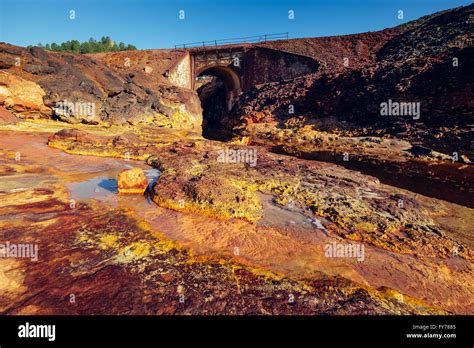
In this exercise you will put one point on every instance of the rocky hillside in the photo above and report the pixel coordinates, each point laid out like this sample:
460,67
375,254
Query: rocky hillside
95,89
427,61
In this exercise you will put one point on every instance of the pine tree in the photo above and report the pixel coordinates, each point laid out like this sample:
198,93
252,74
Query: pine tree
105,44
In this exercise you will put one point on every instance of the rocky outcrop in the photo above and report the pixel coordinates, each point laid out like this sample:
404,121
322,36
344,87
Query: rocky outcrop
82,89
21,96
426,61
74,135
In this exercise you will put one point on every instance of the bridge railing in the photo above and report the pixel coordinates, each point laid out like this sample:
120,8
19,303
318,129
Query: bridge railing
233,41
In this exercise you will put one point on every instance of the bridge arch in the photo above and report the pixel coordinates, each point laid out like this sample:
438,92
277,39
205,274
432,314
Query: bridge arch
229,76
218,96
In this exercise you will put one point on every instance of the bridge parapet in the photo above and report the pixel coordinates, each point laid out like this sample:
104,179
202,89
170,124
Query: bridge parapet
235,41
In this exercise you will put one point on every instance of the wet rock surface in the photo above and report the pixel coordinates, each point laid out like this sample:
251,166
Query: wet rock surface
193,173
132,181
340,202
110,262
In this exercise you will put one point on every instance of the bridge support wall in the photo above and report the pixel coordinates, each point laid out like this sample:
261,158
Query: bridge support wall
181,73
263,65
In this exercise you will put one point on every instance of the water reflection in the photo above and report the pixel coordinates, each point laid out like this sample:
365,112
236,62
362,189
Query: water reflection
104,187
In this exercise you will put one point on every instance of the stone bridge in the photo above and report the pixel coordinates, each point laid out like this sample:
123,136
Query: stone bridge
239,67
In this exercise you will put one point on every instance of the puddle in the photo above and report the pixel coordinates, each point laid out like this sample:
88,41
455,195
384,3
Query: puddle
101,188
104,186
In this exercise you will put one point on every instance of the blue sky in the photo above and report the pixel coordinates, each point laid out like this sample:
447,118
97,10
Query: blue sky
155,23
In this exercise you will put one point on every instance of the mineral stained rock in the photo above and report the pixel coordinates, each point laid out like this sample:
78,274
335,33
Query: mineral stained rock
115,263
76,88
132,181
6,117
344,203
22,96
426,61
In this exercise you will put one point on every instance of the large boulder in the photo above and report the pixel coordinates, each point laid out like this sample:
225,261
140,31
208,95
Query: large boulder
71,135
22,96
132,181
